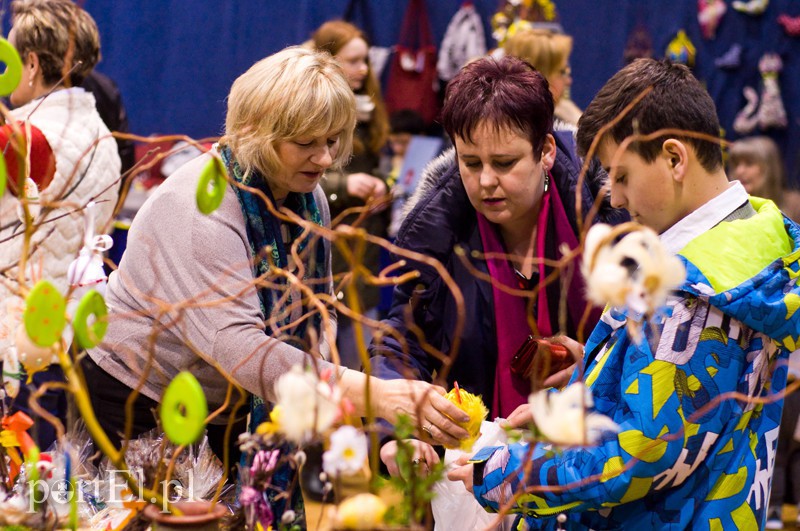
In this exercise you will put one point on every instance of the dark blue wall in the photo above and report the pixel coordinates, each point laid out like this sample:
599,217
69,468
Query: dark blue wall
176,59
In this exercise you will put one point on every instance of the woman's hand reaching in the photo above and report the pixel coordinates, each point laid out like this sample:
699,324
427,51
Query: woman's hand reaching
522,416
426,407
424,404
364,186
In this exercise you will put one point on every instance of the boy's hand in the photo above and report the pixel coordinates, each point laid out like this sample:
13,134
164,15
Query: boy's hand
463,473
520,417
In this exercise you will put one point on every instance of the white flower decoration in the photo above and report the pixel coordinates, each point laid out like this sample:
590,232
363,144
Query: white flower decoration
347,454
636,272
308,406
563,419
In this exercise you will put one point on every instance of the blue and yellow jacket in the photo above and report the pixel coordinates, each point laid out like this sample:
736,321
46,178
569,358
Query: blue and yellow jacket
698,400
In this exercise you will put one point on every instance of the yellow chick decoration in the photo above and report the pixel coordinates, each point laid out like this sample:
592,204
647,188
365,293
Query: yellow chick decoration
473,406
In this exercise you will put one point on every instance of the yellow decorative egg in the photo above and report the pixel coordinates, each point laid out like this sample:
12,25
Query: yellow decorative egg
362,511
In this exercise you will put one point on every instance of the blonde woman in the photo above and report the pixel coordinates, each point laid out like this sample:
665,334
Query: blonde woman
290,119
756,162
548,52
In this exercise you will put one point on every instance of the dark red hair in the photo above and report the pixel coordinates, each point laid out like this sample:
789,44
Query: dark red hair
505,92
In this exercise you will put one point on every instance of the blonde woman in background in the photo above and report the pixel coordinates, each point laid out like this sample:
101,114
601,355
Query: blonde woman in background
549,53
757,163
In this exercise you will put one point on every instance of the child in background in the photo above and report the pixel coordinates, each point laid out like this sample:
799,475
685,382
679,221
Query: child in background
403,124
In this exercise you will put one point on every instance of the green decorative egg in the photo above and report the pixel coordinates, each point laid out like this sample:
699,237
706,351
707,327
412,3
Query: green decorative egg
13,71
45,314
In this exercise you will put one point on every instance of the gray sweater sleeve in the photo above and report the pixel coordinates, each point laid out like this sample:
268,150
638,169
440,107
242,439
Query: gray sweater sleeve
184,292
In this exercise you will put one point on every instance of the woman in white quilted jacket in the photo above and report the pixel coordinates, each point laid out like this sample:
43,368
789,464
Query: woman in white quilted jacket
73,160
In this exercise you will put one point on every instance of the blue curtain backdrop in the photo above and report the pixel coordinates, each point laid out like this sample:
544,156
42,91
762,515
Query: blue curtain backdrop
175,60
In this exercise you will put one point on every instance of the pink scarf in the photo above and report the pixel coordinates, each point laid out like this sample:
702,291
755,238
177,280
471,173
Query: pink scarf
511,320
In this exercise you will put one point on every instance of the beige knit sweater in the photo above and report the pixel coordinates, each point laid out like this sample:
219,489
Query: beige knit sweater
175,254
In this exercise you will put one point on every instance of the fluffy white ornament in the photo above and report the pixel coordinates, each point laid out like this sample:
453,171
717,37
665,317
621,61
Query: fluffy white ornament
561,416
308,406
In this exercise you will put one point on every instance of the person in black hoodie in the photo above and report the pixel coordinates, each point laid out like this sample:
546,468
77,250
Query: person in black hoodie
108,99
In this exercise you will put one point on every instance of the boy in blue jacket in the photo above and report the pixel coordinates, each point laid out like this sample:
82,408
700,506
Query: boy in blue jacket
686,457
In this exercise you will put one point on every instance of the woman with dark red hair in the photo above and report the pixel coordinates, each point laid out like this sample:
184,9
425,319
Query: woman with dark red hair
506,197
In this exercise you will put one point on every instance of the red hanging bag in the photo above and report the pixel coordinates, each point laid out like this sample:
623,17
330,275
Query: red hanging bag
413,82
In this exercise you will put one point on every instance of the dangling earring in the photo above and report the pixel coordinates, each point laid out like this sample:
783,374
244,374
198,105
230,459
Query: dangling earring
546,178
30,82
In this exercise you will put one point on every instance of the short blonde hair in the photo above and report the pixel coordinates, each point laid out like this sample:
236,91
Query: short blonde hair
545,50
291,94
61,34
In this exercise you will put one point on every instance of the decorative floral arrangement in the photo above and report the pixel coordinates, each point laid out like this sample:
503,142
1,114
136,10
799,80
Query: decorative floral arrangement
309,445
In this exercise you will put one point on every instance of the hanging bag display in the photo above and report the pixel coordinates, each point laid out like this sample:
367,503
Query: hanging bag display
413,83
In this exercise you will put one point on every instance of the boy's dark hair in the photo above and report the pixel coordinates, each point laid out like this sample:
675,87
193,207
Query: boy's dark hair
677,101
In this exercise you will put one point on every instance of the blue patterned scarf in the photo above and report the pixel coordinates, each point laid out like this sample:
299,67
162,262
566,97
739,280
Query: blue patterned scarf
264,235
